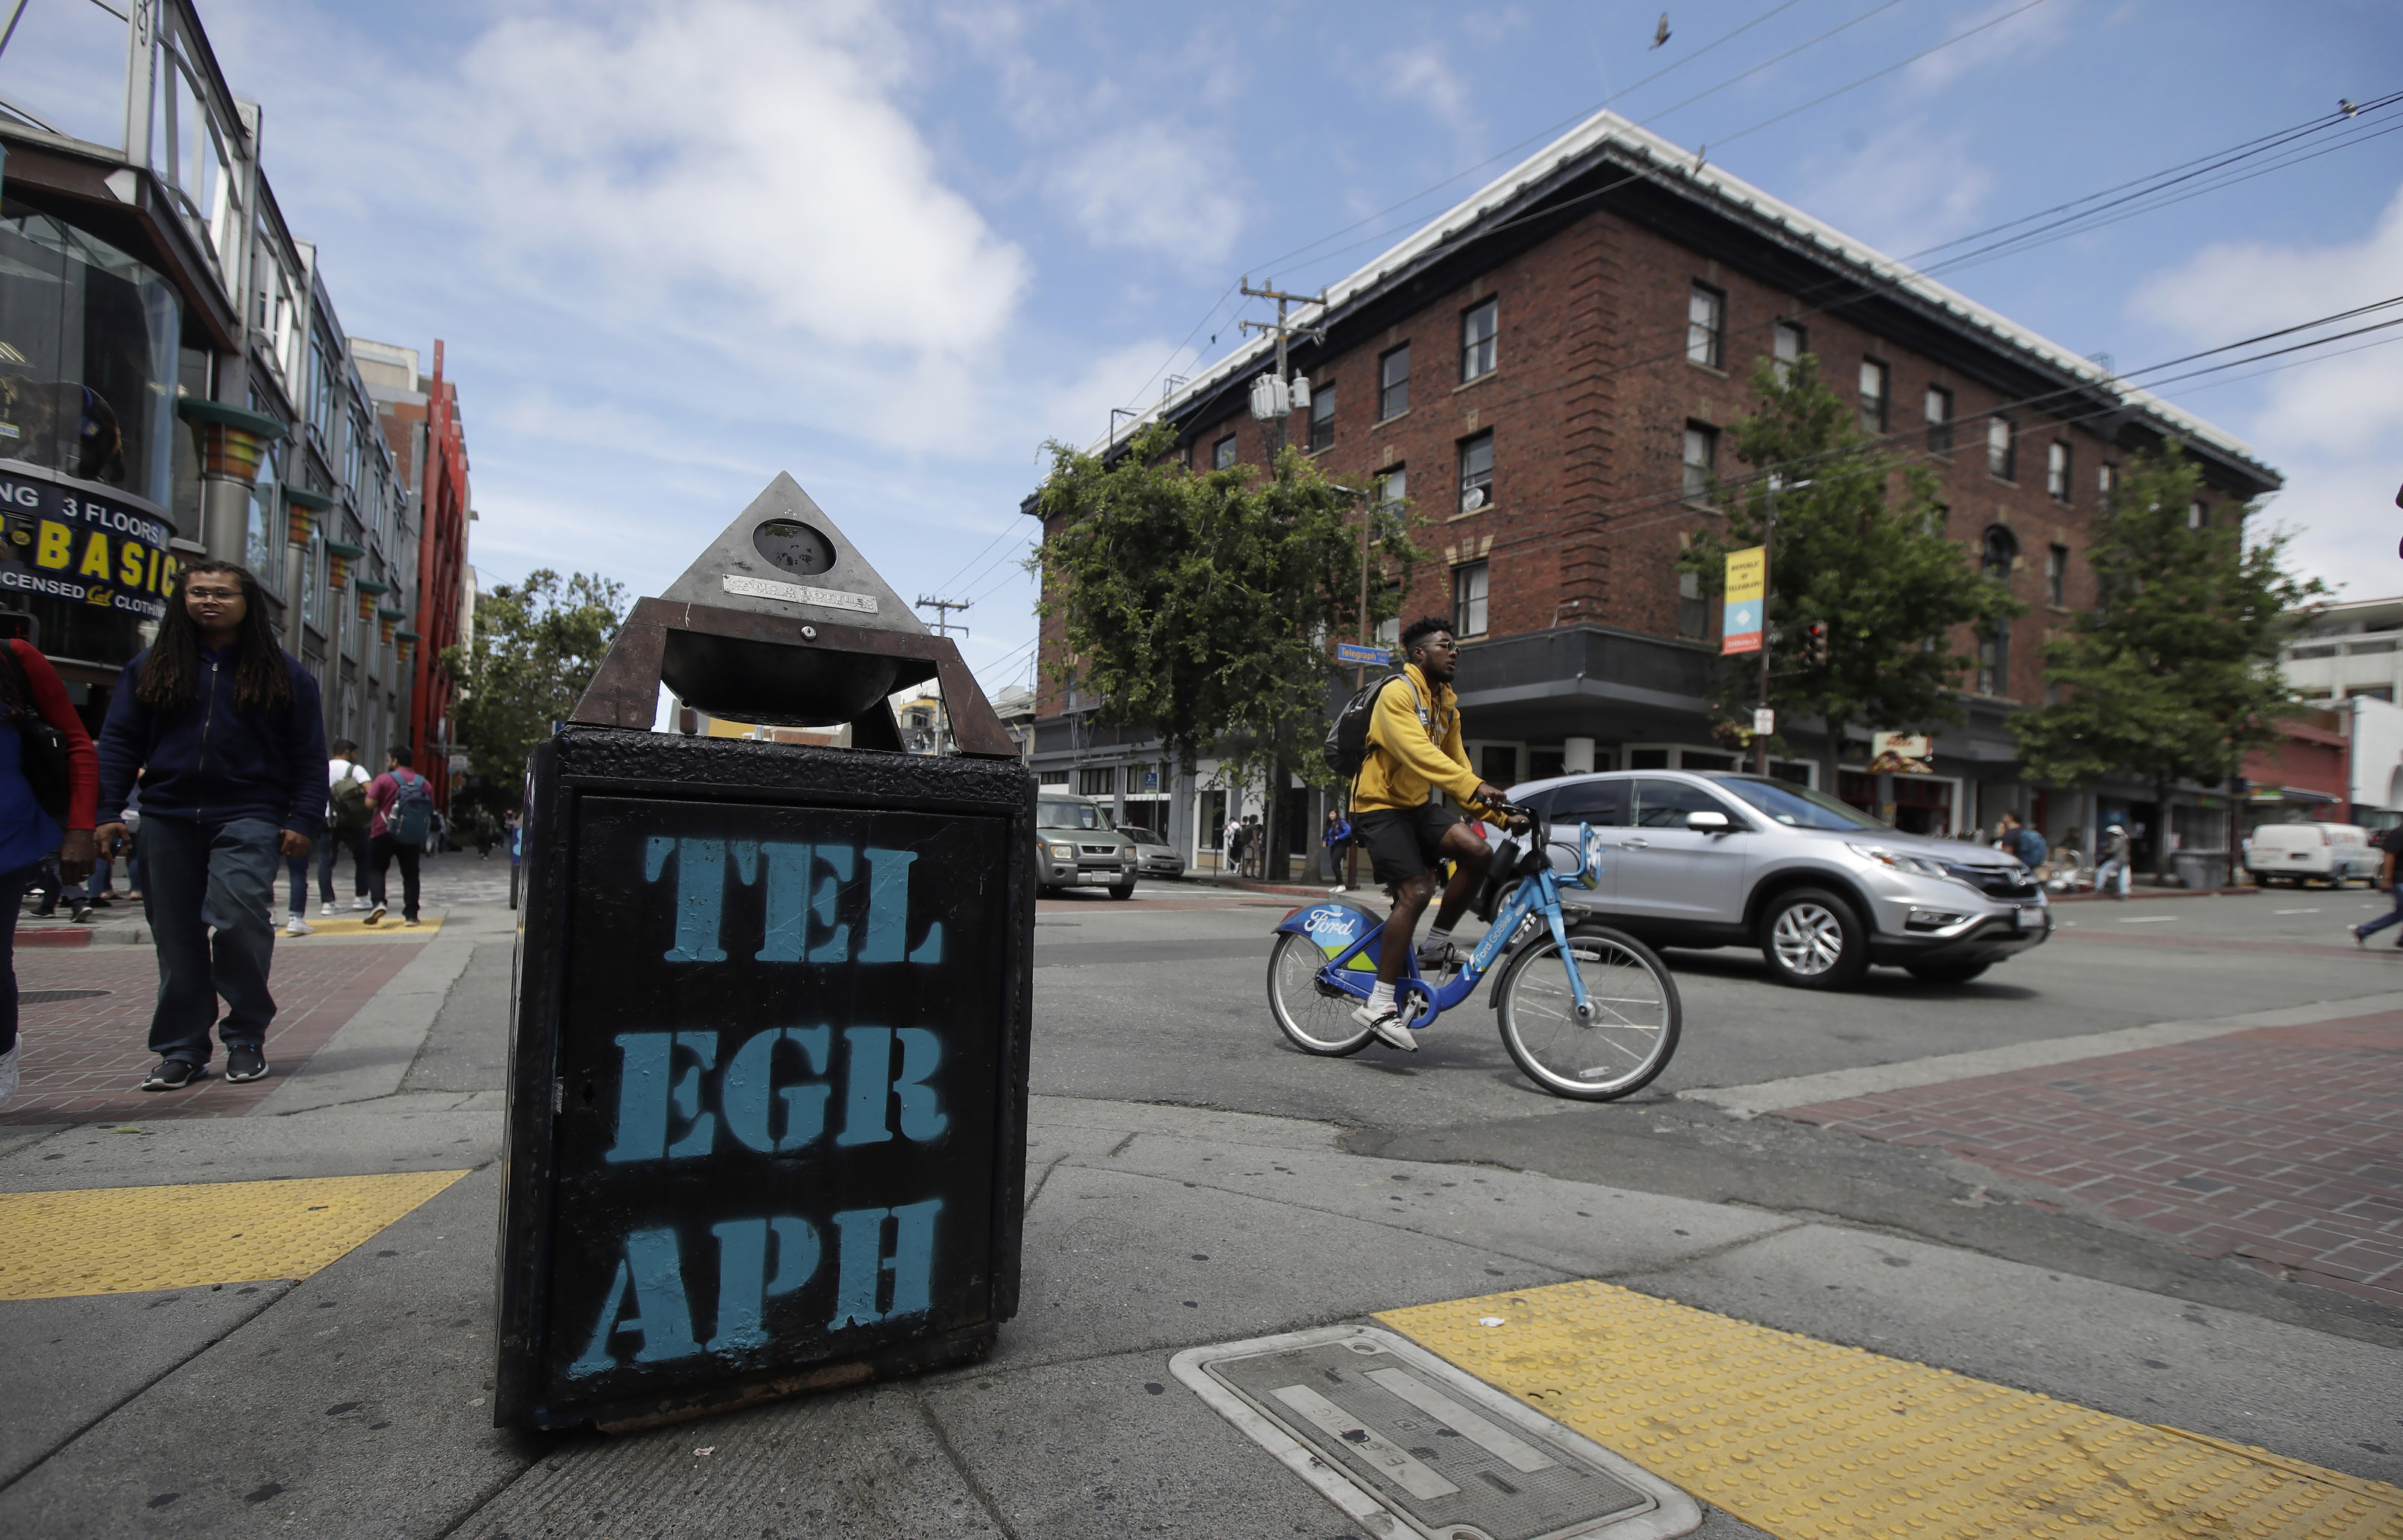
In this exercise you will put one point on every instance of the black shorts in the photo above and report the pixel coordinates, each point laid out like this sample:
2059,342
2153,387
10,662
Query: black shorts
1402,843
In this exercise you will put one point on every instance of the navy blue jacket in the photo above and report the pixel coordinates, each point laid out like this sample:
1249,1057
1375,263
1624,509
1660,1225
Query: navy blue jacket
209,761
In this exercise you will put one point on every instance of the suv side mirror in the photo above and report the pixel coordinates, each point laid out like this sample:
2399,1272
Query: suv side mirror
1707,822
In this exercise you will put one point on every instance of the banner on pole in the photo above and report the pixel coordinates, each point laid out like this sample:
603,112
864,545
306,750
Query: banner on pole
1747,599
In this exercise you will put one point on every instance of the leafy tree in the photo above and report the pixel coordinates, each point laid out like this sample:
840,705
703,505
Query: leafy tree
1876,569
1199,604
536,645
2176,676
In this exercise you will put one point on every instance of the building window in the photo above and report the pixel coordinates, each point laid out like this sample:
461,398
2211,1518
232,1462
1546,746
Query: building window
2002,553
1702,459
2001,450
1790,343
1476,327
1873,393
1938,405
2056,576
2107,482
1393,382
1322,417
1222,454
1097,781
2056,470
1693,615
2197,516
1468,599
1477,473
1706,326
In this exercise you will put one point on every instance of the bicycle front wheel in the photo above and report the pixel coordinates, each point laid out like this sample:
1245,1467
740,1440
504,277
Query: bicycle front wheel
1626,1040
1314,1016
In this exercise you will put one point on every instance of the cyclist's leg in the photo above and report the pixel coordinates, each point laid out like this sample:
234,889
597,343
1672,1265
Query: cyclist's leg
1410,899
1470,856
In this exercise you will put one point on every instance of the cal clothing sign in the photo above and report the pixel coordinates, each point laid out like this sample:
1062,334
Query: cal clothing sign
67,542
782,1083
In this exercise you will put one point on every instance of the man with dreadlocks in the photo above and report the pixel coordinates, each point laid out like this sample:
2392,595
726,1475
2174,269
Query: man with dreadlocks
224,727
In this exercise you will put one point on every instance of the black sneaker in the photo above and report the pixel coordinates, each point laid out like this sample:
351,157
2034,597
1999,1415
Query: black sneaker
82,914
174,1075
246,1062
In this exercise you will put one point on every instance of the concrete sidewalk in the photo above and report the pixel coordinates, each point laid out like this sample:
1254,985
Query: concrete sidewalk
354,1401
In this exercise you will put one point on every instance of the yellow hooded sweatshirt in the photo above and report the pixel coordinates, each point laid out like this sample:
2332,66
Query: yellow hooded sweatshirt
1415,746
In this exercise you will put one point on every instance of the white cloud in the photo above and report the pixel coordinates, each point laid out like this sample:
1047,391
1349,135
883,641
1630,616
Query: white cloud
1424,75
1902,191
1078,413
2025,36
2332,426
1156,186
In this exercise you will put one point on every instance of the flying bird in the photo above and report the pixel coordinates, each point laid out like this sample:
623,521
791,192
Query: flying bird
1661,36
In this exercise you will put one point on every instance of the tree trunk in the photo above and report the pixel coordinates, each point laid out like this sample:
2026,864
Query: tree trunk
1276,865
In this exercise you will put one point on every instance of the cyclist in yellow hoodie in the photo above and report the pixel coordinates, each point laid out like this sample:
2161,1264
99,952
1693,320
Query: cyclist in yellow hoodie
1414,747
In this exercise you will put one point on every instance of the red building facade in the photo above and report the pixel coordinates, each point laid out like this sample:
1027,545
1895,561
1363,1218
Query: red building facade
1548,372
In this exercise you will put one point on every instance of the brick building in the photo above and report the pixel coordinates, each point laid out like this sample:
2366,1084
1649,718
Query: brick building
1546,372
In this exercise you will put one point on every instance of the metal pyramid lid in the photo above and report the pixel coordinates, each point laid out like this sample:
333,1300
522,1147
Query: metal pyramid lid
784,557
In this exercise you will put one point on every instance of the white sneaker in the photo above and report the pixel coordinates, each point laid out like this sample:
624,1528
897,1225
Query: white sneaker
1387,1025
8,1063
411,922
375,916
358,905
329,912
298,926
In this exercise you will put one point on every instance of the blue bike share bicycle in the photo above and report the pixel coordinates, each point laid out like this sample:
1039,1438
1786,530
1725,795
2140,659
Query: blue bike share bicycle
1586,1012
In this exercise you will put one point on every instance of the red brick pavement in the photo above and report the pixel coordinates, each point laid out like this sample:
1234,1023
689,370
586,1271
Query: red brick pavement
2281,1147
83,1058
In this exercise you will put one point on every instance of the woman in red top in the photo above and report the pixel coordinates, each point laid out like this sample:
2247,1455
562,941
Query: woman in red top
30,688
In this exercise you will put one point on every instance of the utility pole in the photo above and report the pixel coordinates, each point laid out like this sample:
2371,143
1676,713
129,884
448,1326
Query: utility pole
1282,331
1767,549
944,624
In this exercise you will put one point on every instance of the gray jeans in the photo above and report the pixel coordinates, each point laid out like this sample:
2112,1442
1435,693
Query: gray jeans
199,878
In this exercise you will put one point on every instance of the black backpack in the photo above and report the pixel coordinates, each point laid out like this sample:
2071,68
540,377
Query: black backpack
42,749
1347,736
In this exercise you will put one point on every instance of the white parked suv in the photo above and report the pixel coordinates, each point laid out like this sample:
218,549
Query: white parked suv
1823,889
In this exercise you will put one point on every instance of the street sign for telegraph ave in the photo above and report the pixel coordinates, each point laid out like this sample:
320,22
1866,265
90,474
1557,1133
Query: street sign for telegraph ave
768,1077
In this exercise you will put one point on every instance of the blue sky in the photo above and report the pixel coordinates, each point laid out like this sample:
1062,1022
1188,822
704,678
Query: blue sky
675,247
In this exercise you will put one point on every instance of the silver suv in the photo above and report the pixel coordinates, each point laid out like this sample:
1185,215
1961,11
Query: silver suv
1076,847
1823,889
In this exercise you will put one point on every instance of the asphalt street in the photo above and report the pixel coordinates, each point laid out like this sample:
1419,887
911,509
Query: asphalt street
1160,999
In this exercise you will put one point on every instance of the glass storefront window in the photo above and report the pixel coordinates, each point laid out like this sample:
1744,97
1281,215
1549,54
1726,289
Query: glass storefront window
88,358
263,552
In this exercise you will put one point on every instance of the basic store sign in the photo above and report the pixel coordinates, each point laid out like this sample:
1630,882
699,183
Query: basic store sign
772,1146
70,543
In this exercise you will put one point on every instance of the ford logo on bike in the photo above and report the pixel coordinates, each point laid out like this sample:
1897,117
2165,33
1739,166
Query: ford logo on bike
1331,928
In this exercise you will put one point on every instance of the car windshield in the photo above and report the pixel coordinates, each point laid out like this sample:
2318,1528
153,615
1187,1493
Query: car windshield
1142,837
1796,807
1067,816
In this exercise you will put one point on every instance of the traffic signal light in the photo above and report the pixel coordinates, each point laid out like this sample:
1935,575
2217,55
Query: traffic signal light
1814,644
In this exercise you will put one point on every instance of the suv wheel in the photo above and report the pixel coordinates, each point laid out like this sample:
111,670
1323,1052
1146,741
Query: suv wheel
1125,890
1812,939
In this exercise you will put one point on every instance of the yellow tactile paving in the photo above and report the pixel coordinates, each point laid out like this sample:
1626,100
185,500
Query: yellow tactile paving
1805,1439
389,925
127,1240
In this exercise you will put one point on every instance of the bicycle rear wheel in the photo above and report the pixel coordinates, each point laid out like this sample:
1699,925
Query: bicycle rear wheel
1314,1016
1627,1041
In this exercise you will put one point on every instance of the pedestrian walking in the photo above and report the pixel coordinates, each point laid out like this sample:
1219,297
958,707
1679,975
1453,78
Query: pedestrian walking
225,730
35,803
2023,842
481,821
1338,838
2118,849
1415,747
404,816
347,816
2391,844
